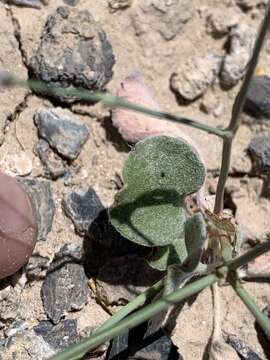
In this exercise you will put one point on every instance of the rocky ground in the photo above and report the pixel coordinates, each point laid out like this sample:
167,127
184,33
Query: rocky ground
69,156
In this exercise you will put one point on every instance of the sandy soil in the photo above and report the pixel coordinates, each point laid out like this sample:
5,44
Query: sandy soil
104,153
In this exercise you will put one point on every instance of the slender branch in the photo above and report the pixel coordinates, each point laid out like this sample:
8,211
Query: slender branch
224,172
131,306
249,256
241,98
262,319
78,350
109,100
236,112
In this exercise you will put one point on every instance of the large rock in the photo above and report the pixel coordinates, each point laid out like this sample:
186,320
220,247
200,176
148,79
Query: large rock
74,51
194,76
258,98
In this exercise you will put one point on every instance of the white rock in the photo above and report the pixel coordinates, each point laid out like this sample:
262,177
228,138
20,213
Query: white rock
218,25
192,79
242,39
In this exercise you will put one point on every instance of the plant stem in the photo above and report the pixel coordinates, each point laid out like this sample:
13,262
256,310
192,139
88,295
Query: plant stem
236,112
78,350
262,319
108,100
224,172
249,256
241,98
133,305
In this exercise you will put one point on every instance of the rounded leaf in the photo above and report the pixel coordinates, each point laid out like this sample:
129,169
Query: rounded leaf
164,162
150,219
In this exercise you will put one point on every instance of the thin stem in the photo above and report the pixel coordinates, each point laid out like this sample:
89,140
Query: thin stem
262,319
108,100
78,350
224,172
249,256
133,305
241,98
236,112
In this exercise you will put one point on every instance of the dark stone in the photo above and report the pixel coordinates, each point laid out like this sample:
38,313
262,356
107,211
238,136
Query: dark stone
65,286
264,341
242,349
71,2
121,279
54,166
36,4
36,267
41,195
82,206
64,132
74,52
139,343
58,336
259,149
258,98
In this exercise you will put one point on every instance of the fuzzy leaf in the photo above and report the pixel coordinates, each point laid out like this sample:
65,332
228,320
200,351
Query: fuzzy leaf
158,174
164,162
195,237
151,219
164,256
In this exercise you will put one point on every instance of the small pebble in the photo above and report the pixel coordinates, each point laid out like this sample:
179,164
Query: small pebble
41,195
64,132
194,76
259,149
242,349
58,336
54,166
82,206
18,164
242,39
140,343
36,267
65,286
258,98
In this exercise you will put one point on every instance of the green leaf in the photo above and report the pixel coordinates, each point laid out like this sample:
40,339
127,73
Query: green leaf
164,256
151,219
195,237
164,162
158,174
